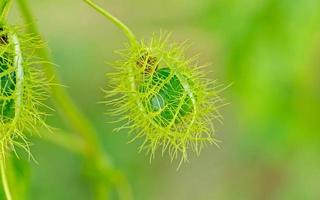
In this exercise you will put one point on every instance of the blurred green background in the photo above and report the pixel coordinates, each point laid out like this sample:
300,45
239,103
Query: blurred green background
268,49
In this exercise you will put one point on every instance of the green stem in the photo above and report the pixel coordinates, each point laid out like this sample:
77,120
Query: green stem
68,141
4,9
67,108
114,20
64,140
4,179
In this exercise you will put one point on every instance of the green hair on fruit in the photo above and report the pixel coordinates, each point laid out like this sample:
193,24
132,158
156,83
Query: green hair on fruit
22,88
161,95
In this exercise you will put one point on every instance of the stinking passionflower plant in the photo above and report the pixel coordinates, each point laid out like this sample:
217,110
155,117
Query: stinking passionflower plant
161,95
22,89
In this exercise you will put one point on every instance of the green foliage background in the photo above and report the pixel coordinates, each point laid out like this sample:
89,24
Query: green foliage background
268,49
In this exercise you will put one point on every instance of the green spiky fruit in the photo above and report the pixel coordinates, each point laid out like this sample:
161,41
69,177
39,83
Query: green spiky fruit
22,88
164,98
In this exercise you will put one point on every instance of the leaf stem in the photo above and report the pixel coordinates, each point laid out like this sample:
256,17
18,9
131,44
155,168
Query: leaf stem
129,34
4,179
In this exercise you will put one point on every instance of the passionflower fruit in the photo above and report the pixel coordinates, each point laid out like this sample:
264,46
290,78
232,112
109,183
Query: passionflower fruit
164,98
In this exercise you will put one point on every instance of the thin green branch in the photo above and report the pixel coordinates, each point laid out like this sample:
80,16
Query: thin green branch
76,145
69,141
4,179
114,20
67,108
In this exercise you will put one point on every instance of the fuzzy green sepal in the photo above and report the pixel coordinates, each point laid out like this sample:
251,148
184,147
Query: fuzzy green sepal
23,88
164,97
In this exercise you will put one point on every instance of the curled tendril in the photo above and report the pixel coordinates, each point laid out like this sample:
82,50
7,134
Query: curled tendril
22,89
164,98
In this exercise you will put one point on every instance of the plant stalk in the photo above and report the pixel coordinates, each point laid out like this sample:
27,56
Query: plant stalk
129,34
5,183
68,110
63,101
